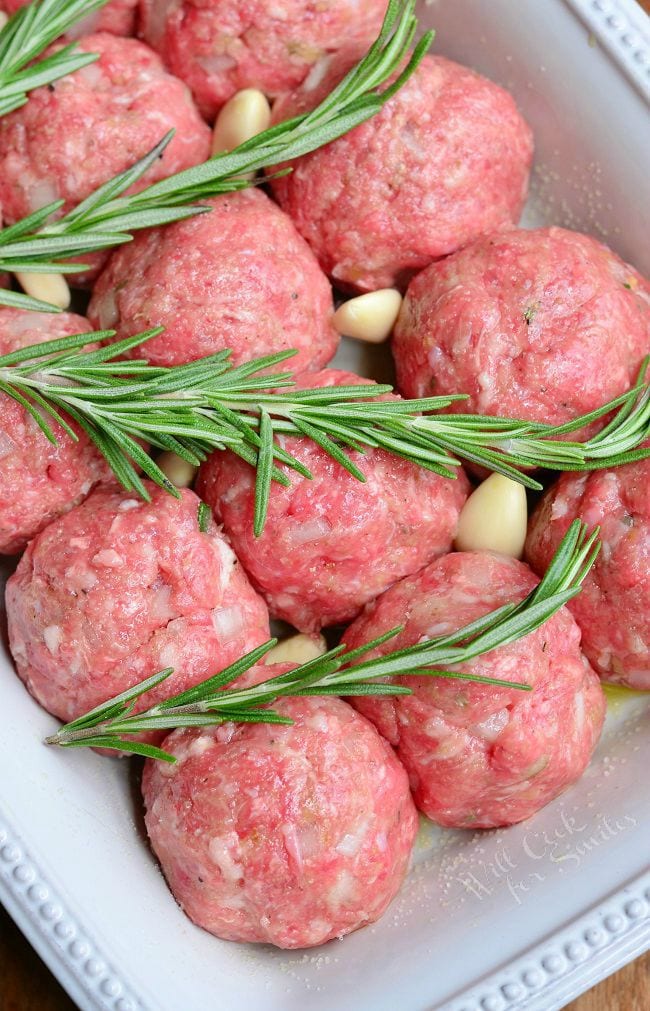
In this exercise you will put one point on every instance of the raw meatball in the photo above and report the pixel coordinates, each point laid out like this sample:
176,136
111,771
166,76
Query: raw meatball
447,159
333,543
119,589
544,325
39,481
479,756
613,609
239,277
291,835
75,134
220,46
117,17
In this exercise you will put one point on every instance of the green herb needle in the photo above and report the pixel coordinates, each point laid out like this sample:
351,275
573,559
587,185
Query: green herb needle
209,405
338,672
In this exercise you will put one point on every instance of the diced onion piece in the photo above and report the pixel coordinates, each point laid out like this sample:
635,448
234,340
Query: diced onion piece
370,317
228,622
310,530
51,288
40,193
490,728
107,310
7,444
317,73
297,649
179,471
92,74
52,636
4,17
243,116
494,518
217,63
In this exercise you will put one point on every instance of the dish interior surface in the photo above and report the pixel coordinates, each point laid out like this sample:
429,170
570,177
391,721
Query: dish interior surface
77,871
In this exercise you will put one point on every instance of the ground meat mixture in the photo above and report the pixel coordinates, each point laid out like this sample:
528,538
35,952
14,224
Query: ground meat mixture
220,46
289,835
39,481
447,159
479,756
118,589
333,543
75,134
239,277
546,325
613,608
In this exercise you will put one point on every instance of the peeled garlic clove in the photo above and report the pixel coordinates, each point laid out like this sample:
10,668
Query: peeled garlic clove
494,518
179,471
52,288
369,317
243,116
297,649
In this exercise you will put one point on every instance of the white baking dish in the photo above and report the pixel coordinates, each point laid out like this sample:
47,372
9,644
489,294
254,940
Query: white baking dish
523,918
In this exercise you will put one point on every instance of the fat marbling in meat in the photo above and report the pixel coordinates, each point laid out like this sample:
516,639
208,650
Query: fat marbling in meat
446,159
289,835
613,608
238,277
332,543
118,589
38,480
477,755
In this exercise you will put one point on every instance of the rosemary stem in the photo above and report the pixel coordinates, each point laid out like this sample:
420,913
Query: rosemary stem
209,405
63,736
338,672
108,218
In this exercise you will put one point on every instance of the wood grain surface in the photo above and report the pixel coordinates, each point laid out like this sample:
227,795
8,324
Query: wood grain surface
27,985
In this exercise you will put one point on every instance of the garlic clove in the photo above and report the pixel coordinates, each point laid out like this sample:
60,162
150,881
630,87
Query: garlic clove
51,288
243,116
494,518
370,317
179,471
297,649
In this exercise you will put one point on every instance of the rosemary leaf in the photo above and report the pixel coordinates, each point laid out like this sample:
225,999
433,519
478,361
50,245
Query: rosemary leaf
264,475
102,712
107,218
127,746
24,38
210,405
203,517
17,300
339,672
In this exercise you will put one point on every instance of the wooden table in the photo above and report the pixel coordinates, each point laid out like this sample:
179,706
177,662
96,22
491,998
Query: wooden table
27,985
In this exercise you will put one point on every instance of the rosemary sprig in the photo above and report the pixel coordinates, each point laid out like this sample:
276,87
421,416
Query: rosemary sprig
27,33
338,672
106,218
205,405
